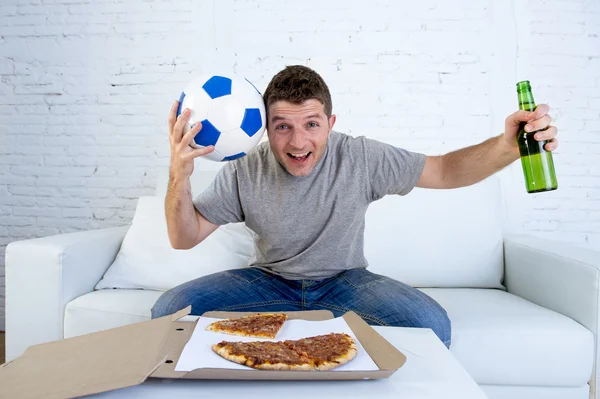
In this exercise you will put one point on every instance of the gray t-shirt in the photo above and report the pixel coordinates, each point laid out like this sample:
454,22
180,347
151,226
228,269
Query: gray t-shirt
310,227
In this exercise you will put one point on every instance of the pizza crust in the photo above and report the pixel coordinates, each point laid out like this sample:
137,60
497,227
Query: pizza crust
330,365
238,333
224,352
286,367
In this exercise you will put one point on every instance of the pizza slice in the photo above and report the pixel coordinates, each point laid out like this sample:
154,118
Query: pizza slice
326,351
323,352
264,355
257,326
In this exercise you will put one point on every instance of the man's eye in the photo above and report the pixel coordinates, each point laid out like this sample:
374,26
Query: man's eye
313,124
282,127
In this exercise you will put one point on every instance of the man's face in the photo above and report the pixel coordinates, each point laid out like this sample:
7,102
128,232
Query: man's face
298,134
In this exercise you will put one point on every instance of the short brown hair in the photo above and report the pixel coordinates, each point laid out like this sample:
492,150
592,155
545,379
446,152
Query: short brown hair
296,84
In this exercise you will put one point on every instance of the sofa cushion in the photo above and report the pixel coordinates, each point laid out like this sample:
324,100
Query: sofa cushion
146,259
104,309
502,339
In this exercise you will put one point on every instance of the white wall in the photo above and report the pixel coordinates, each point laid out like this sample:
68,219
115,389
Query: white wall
86,87
558,42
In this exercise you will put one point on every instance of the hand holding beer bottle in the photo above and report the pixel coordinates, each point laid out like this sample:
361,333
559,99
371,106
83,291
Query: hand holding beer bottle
529,131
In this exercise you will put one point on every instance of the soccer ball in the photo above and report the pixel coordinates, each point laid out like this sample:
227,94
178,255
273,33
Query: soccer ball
232,113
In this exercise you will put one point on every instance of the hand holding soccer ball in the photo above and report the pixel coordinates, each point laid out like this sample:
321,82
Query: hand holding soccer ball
182,154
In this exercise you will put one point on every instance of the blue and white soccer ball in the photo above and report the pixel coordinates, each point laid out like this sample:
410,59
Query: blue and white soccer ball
232,113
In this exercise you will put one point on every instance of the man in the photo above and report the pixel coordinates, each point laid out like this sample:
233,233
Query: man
305,194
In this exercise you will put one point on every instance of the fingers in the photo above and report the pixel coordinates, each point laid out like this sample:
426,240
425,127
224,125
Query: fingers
536,120
551,145
547,134
520,116
538,124
182,120
189,136
198,152
530,116
540,111
173,116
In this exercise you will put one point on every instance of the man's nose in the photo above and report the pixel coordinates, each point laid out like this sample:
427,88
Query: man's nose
297,139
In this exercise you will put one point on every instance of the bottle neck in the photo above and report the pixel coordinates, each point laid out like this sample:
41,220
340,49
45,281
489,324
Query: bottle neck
526,101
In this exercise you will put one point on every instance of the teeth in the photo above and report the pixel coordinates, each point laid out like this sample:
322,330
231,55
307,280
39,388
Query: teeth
299,155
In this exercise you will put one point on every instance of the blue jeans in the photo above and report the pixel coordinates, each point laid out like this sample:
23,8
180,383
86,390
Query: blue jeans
379,300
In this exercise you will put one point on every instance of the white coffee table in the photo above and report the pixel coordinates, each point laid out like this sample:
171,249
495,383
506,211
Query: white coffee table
430,371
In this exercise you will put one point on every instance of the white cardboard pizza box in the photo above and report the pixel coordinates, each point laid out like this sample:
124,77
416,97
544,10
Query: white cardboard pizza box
128,355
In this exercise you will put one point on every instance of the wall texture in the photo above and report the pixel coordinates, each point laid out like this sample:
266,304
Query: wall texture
86,86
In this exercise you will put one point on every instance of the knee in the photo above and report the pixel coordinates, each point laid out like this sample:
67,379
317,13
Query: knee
166,304
443,329
438,321
432,316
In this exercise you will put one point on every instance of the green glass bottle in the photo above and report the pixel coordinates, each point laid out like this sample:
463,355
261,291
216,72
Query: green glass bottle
538,165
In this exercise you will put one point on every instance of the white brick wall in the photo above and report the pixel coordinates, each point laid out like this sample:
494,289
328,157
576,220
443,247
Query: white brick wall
559,44
86,87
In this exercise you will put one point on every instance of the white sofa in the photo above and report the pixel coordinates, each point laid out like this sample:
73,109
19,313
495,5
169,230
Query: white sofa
524,311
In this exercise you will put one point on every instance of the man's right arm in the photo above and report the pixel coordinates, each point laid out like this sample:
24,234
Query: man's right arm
186,227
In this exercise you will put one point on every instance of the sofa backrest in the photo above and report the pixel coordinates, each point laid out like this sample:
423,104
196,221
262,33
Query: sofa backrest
428,238
439,238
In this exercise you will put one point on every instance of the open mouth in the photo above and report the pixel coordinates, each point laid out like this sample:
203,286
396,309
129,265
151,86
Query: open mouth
299,157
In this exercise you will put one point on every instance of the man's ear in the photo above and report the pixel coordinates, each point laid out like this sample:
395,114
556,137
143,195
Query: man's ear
332,120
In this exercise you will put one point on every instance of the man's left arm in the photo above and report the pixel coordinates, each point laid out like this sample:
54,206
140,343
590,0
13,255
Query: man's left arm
472,164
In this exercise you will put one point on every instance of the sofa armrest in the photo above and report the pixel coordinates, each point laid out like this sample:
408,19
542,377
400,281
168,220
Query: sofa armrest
555,275
558,276
44,274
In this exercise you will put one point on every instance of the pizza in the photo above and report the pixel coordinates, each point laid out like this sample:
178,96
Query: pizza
319,353
326,351
264,355
258,326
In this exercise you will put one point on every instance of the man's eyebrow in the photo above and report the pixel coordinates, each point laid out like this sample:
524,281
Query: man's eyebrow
313,116
278,118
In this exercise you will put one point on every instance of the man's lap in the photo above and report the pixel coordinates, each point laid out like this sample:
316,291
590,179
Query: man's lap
381,300
377,299
247,289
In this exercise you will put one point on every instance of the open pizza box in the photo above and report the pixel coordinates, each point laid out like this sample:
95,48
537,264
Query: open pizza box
126,356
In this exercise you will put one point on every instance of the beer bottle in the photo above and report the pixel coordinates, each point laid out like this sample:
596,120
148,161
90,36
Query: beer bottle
538,166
